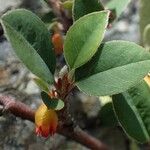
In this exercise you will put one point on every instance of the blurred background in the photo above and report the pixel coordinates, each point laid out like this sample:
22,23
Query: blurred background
90,112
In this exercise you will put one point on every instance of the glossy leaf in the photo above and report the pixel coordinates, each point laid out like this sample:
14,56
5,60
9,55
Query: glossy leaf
117,6
84,7
33,31
84,37
116,67
56,104
132,109
43,86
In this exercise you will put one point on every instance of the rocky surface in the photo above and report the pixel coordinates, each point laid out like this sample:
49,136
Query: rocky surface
5,4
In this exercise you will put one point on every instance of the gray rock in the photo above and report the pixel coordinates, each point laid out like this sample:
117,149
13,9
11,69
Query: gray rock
7,4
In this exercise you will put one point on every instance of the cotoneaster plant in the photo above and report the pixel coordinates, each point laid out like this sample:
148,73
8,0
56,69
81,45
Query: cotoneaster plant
114,68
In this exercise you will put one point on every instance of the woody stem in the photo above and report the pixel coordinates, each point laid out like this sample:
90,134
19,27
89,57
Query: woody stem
23,111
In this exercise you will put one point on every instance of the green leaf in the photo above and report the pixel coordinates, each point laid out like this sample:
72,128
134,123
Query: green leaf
56,104
146,37
48,17
84,7
43,85
133,111
116,67
84,37
27,54
117,6
32,30
68,4
107,116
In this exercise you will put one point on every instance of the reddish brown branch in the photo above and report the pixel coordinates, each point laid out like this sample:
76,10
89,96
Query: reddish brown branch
84,138
17,108
23,111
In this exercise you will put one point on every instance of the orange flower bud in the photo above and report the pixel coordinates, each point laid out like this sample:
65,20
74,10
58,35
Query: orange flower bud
57,41
46,121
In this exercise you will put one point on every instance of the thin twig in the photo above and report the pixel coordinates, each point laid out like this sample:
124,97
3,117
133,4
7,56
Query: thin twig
23,111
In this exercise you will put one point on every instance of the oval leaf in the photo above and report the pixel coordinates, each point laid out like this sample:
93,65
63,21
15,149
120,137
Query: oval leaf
132,109
22,24
83,7
84,37
34,31
27,54
56,104
116,67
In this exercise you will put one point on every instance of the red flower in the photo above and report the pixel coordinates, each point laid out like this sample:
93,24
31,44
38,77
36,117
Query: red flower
46,121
